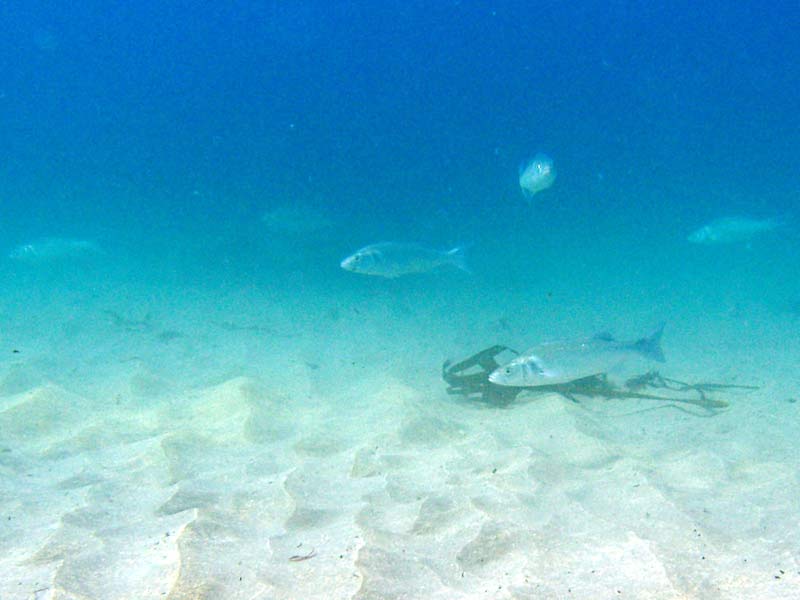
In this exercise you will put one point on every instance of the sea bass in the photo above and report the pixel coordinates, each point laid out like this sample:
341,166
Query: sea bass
54,249
393,259
729,230
536,175
553,363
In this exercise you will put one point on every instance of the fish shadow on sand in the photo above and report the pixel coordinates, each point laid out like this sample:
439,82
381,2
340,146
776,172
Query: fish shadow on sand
469,378
146,325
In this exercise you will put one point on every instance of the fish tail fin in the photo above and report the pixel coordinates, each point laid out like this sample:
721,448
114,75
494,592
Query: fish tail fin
458,258
650,346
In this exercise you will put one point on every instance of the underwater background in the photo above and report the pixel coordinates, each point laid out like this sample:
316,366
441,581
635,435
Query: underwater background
196,401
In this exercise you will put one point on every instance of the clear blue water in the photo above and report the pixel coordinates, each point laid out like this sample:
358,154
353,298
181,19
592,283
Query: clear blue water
665,113
164,131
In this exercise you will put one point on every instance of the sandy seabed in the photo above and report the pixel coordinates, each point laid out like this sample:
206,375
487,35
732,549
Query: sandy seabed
160,445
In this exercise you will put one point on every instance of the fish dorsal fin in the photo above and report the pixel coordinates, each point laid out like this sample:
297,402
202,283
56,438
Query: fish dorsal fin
603,336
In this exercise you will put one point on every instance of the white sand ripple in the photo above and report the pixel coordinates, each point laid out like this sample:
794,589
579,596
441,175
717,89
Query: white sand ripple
376,492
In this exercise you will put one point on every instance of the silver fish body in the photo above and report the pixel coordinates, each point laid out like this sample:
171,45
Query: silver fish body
536,175
394,259
55,249
730,230
560,362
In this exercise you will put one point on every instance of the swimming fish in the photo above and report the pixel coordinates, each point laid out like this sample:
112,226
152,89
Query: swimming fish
553,363
729,230
53,249
296,220
393,259
536,175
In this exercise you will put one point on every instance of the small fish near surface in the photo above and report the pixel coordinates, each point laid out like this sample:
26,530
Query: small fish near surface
552,363
536,175
395,259
55,249
730,230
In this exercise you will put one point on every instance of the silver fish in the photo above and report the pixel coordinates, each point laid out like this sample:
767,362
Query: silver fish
553,363
729,230
536,175
393,259
53,249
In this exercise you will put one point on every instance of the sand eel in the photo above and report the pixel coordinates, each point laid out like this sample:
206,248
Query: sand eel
565,361
394,259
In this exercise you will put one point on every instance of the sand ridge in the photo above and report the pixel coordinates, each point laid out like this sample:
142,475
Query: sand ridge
233,462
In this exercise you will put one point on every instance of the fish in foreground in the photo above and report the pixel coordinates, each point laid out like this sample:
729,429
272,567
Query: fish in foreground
729,230
536,175
52,249
554,363
394,259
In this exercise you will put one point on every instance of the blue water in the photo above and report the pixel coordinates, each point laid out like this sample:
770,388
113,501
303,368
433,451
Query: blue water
402,110
164,131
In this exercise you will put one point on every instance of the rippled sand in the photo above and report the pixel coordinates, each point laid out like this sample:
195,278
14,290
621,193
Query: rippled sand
120,480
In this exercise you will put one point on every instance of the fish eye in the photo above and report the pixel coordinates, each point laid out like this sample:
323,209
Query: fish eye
508,370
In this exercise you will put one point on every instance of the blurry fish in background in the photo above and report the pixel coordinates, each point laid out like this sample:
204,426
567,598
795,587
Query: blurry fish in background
394,259
730,230
45,40
794,306
536,175
296,219
55,249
